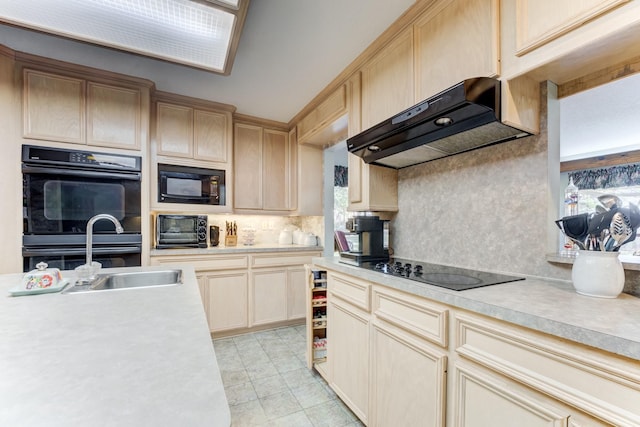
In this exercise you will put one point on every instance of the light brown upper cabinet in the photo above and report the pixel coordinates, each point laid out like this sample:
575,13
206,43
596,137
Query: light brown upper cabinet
541,21
562,41
262,168
193,129
456,40
306,177
54,107
387,81
383,87
326,123
371,188
67,108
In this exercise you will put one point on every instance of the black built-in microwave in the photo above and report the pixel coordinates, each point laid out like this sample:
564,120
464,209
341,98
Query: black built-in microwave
192,185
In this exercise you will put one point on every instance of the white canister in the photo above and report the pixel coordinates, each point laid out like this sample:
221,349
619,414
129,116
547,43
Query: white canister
298,237
598,274
286,237
310,240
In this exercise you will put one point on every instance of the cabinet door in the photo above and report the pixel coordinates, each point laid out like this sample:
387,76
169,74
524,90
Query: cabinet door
371,188
310,181
247,161
275,170
210,136
408,380
113,116
348,354
54,107
387,81
322,116
227,300
268,296
203,287
541,21
482,399
296,293
471,27
174,135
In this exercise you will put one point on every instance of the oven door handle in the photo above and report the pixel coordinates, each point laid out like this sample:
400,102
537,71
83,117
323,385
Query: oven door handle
133,176
81,251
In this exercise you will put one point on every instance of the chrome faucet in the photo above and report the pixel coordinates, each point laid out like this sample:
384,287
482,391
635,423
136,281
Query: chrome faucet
92,221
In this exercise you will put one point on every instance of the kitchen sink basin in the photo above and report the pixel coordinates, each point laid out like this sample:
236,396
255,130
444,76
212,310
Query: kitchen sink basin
130,280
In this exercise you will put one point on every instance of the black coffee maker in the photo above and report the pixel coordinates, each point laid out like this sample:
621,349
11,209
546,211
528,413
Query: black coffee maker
214,235
367,241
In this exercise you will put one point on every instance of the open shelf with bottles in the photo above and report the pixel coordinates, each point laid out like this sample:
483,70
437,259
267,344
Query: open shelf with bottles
316,319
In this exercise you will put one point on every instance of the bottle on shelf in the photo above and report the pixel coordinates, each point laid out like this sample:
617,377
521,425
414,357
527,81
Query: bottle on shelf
571,196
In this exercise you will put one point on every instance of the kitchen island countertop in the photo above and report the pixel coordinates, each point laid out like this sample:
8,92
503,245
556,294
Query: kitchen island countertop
549,306
132,357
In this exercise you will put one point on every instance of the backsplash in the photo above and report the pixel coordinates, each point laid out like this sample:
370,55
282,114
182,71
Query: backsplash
484,209
268,227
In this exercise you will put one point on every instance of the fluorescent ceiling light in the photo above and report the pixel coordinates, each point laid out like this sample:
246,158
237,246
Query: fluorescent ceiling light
201,34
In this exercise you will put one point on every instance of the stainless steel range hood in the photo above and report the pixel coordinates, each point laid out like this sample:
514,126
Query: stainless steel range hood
462,118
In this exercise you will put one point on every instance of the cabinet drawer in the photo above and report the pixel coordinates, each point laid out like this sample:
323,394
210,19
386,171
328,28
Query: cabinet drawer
413,314
217,262
282,259
348,288
601,384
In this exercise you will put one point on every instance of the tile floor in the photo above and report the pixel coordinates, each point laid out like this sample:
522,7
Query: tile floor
268,384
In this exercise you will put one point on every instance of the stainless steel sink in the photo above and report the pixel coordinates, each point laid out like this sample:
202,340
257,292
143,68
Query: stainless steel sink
130,280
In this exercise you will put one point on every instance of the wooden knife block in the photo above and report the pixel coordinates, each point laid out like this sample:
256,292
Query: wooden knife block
231,240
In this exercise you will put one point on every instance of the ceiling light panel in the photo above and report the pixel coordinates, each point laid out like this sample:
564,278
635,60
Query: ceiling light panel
180,31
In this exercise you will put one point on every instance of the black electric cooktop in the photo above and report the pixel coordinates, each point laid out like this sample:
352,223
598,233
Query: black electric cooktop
454,278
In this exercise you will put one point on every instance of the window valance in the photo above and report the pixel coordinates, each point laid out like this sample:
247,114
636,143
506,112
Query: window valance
615,176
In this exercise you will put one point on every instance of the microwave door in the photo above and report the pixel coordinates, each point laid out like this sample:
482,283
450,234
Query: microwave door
191,199
181,190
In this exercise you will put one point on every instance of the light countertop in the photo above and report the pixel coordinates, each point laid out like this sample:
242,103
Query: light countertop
260,247
132,357
547,306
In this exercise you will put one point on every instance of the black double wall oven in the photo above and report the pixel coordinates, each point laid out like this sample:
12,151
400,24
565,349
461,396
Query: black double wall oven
62,190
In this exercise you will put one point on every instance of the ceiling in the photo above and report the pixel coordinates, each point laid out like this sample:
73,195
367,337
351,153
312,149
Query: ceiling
288,52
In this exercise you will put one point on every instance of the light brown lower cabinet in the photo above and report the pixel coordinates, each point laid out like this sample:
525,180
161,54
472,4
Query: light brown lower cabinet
296,293
405,366
242,292
348,351
268,296
399,359
486,399
224,296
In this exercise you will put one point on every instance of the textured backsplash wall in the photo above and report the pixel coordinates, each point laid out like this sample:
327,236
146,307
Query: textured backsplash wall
484,209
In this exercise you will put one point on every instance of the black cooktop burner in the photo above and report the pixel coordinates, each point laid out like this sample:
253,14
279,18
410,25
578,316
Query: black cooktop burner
454,278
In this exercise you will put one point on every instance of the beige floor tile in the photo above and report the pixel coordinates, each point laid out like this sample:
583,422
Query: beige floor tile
298,377
311,394
280,404
248,414
269,385
261,370
287,364
233,376
297,419
240,393
328,415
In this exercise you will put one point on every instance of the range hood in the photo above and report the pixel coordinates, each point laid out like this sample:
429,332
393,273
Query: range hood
462,118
